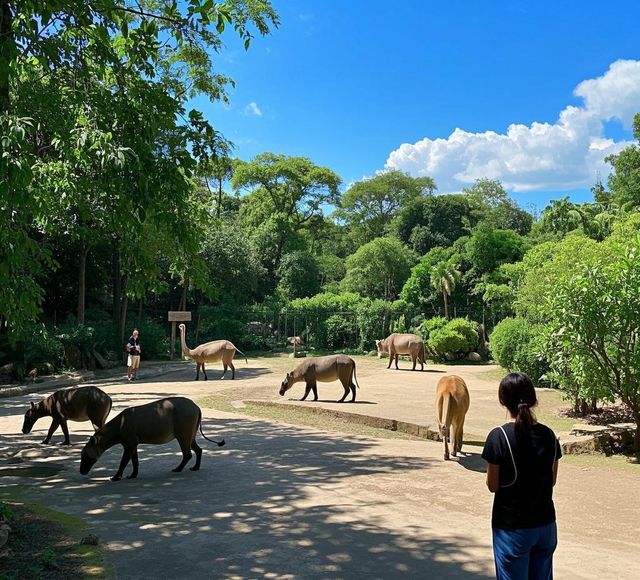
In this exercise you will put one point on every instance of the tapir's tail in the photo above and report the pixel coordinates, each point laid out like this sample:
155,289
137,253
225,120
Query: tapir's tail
244,355
445,419
218,443
355,380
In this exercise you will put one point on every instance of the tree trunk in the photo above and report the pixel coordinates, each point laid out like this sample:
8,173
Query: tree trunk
82,277
6,47
446,304
123,315
140,304
636,439
219,197
116,281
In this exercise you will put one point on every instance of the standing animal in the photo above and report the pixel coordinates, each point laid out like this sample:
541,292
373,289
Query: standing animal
324,369
213,351
452,404
78,404
396,344
157,423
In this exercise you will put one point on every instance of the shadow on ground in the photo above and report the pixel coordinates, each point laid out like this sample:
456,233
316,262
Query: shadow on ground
252,511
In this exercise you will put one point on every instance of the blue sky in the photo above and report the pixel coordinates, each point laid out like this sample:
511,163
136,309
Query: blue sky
347,83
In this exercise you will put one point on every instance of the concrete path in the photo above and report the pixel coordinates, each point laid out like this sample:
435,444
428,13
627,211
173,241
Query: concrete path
280,501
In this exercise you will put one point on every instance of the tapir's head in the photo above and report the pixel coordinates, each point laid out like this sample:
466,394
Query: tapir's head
30,418
90,454
380,347
287,383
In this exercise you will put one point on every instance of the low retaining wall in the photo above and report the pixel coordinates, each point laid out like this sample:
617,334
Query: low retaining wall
608,439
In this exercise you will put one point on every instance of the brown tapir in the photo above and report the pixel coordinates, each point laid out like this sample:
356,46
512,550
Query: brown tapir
324,369
78,404
452,404
396,344
158,422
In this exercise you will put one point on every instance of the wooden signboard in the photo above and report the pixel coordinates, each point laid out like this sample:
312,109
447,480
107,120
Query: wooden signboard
179,316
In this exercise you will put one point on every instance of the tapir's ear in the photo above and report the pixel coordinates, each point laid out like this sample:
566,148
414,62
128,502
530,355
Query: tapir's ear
92,440
33,405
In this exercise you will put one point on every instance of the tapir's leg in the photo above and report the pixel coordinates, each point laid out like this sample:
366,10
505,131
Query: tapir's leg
446,442
65,430
390,359
353,391
126,456
233,370
414,360
134,462
225,367
185,447
198,452
307,390
346,392
54,425
314,388
397,362
204,372
197,371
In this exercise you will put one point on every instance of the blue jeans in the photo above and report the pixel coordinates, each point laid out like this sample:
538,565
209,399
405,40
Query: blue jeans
525,554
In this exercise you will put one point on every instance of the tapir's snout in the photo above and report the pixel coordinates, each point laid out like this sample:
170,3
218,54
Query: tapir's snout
281,391
26,431
86,463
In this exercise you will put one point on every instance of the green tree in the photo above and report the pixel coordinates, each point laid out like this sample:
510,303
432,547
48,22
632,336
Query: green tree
379,269
594,329
287,192
418,289
369,206
299,275
488,248
444,277
624,180
438,220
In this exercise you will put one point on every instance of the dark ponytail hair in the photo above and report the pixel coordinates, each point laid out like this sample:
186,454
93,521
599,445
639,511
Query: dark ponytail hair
517,393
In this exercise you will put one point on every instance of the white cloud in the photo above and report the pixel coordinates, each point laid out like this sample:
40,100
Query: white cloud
542,156
253,109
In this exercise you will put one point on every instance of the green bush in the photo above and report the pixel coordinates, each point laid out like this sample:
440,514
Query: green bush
516,345
341,332
35,346
426,327
457,337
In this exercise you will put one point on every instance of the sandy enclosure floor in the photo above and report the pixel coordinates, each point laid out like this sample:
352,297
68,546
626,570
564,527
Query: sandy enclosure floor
284,501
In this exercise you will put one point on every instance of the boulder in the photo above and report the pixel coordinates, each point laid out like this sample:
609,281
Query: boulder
474,357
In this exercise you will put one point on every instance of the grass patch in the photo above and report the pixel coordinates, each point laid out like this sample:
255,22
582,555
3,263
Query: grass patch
45,543
598,461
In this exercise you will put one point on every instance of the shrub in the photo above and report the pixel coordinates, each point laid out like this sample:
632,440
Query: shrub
35,346
457,337
516,344
428,326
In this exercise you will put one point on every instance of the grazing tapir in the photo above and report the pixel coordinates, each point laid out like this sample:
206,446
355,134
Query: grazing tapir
324,369
452,404
158,422
78,404
396,344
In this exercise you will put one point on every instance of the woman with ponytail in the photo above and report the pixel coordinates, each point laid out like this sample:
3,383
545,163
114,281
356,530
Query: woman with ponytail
522,466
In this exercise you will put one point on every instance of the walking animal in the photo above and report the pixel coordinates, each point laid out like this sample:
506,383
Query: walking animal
217,350
396,344
323,369
452,404
157,423
79,404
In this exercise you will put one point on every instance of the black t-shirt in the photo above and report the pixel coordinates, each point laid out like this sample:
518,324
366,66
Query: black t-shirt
134,343
524,498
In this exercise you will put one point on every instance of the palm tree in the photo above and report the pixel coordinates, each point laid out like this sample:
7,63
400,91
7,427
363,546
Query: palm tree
443,278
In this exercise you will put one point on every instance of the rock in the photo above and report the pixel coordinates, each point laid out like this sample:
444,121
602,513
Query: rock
451,357
90,540
4,534
474,357
298,354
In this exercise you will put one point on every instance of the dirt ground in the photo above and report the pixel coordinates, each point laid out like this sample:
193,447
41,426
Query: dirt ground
286,501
